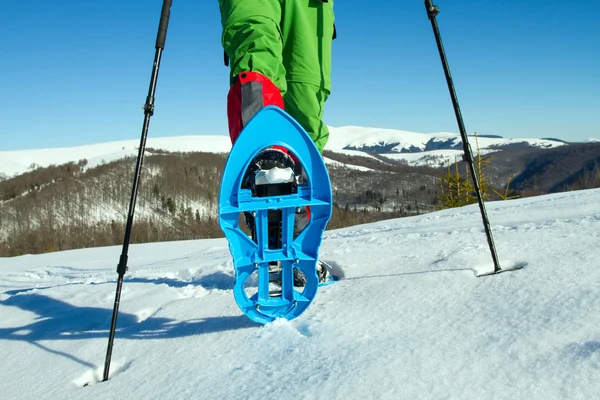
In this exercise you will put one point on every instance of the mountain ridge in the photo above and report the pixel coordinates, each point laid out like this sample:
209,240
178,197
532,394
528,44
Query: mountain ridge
398,143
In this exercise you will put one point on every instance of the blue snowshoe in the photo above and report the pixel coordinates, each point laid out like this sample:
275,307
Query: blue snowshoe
277,271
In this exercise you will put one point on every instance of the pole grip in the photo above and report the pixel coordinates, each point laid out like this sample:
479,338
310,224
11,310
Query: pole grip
161,37
432,10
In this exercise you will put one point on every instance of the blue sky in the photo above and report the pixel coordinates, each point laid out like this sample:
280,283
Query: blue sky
77,72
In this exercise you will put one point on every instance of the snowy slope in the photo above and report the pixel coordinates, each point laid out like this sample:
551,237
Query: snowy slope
433,158
334,163
344,140
359,137
409,321
18,161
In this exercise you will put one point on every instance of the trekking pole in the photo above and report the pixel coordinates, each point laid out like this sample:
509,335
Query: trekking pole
432,11
148,112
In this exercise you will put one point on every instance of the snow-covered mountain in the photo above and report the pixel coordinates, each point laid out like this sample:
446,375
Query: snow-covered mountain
409,320
430,149
19,161
415,148
397,141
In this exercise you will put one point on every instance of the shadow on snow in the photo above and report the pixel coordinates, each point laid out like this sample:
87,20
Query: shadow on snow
59,320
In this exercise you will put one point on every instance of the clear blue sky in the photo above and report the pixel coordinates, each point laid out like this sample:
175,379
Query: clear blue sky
77,72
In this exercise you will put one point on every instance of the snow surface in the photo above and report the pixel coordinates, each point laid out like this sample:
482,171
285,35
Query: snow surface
409,320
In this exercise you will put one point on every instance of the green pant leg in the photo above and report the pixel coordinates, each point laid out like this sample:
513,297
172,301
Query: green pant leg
305,103
295,53
252,38
307,29
295,33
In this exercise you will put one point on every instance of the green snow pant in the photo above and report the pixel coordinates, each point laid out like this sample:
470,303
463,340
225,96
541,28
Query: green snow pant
288,41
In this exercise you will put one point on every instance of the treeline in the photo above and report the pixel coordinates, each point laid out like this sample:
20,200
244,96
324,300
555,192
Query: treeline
74,206
36,178
571,167
69,206
49,238
402,193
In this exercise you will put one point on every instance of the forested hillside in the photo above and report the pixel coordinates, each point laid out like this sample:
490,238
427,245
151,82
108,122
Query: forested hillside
72,206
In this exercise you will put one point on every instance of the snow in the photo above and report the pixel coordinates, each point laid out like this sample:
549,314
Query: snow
409,320
433,158
110,157
329,161
274,175
19,161
357,137
353,153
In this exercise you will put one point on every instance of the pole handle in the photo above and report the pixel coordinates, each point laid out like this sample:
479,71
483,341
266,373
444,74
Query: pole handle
432,10
161,37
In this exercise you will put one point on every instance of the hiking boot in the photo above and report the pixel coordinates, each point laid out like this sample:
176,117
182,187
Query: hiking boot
270,173
275,275
300,279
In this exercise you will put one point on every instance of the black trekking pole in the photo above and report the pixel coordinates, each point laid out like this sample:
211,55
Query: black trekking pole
148,112
432,12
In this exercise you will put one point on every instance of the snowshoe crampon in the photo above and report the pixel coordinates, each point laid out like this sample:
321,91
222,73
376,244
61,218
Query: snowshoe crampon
252,256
